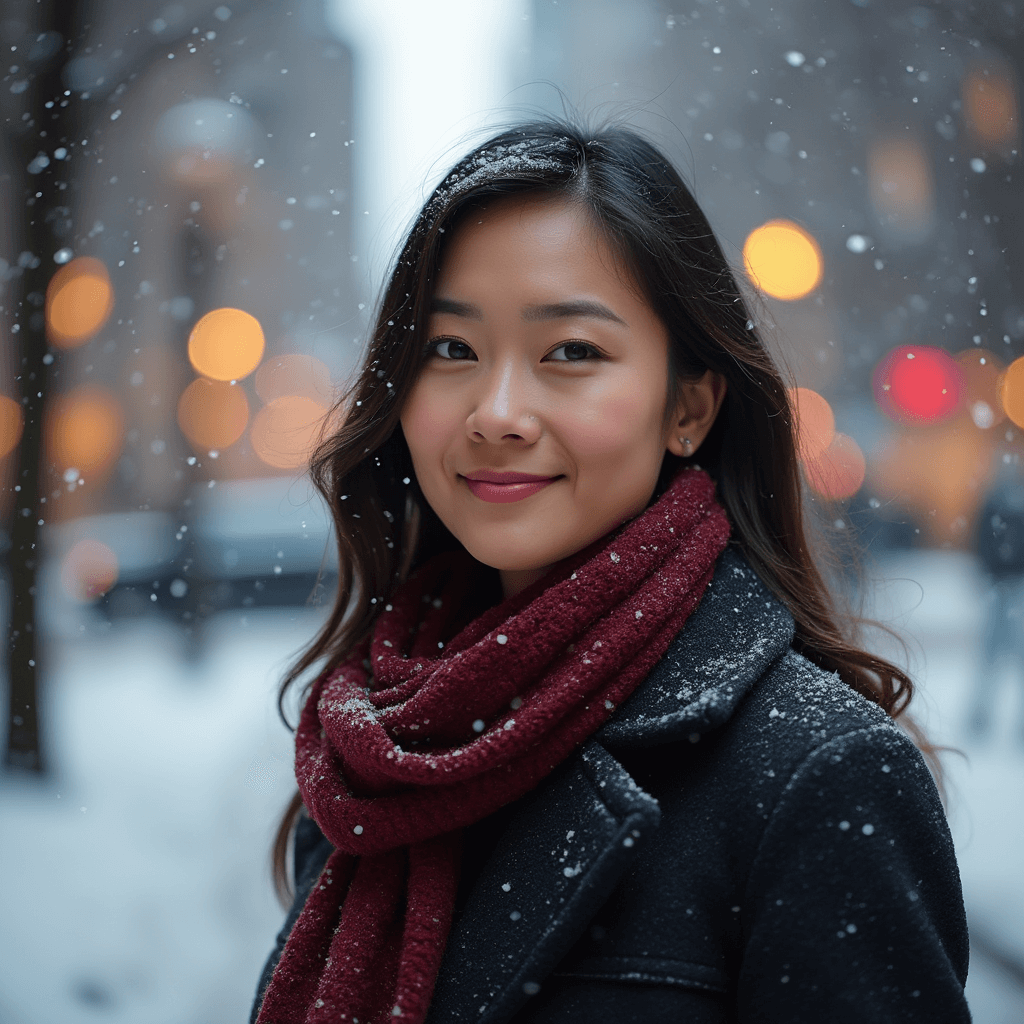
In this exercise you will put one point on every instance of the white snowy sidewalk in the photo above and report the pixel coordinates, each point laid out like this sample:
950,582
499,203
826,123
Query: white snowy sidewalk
135,885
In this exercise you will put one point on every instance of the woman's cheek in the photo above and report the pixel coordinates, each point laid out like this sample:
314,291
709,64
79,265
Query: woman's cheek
613,426
428,422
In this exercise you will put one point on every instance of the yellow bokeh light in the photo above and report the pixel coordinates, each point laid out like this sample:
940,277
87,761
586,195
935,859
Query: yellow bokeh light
782,259
79,299
285,430
84,430
990,105
212,414
1012,391
226,344
89,570
11,422
814,422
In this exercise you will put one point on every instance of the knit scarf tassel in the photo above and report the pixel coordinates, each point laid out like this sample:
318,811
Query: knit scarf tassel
416,736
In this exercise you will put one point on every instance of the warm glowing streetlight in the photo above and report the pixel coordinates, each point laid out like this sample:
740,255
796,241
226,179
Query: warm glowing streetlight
85,430
783,260
293,374
839,471
1012,391
212,414
226,344
814,422
990,106
285,430
79,299
11,422
901,185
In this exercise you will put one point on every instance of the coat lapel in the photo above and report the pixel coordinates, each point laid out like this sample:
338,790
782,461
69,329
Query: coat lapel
558,861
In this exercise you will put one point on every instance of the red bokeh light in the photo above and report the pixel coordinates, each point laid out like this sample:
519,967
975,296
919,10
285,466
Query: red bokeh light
918,383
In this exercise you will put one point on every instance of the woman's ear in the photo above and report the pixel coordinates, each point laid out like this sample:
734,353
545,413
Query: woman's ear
694,414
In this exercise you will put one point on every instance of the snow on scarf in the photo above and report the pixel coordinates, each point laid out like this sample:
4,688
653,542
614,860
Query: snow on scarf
413,738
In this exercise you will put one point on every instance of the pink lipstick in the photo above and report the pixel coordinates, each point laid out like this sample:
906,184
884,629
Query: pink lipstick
490,485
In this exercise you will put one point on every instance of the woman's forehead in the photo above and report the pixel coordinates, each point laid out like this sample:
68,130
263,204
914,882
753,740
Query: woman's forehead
551,241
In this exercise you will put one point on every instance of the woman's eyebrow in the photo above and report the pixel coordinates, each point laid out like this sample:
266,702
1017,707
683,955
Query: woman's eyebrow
572,309
464,309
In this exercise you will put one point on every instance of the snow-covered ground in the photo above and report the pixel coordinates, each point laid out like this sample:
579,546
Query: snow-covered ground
135,883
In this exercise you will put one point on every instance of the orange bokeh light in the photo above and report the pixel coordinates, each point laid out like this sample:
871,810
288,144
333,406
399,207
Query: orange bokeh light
939,472
839,471
85,430
226,344
293,374
89,570
11,422
783,259
982,372
990,106
79,299
901,182
1012,391
814,423
212,414
285,430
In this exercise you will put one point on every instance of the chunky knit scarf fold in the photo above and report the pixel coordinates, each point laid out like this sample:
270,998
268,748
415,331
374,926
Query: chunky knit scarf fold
420,733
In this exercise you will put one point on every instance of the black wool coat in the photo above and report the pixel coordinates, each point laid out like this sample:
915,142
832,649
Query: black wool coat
746,840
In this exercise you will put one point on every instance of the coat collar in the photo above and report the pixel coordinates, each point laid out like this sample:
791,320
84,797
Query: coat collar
737,631
572,840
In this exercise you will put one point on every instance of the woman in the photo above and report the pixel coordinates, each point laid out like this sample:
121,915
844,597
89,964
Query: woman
588,745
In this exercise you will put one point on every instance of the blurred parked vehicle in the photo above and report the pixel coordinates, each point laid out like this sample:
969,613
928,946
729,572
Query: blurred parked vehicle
253,543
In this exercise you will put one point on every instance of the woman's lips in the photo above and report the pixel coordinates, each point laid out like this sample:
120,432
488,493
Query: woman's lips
488,490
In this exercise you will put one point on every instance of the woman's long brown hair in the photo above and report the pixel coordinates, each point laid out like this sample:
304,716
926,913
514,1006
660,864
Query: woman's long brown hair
363,470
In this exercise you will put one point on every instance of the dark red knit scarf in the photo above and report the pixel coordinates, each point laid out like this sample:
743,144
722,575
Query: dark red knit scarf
415,737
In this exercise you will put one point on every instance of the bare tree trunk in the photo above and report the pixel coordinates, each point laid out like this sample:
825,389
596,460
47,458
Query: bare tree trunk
41,225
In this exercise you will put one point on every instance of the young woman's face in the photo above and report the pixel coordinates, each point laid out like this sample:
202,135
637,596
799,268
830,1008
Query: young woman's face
538,421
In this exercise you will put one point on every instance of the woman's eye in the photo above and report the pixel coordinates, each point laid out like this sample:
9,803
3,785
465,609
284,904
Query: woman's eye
451,348
573,352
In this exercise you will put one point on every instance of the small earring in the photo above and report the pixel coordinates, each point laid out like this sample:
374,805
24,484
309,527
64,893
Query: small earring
686,443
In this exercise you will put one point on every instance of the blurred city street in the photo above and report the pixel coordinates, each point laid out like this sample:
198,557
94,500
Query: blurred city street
136,885
201,201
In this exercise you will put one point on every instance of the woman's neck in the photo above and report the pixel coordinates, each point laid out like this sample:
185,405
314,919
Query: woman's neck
514,581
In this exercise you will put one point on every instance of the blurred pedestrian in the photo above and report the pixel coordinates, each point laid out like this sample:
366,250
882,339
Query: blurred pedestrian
590,743
1000,546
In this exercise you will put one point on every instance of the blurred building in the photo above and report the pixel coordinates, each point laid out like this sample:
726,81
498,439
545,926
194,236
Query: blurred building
214,174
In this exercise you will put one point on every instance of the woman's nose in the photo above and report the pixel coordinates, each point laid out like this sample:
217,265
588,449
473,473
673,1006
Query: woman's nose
501,410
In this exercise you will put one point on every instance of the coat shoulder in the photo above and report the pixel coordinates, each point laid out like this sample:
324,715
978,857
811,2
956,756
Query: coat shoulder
797,707
798,718
802,869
